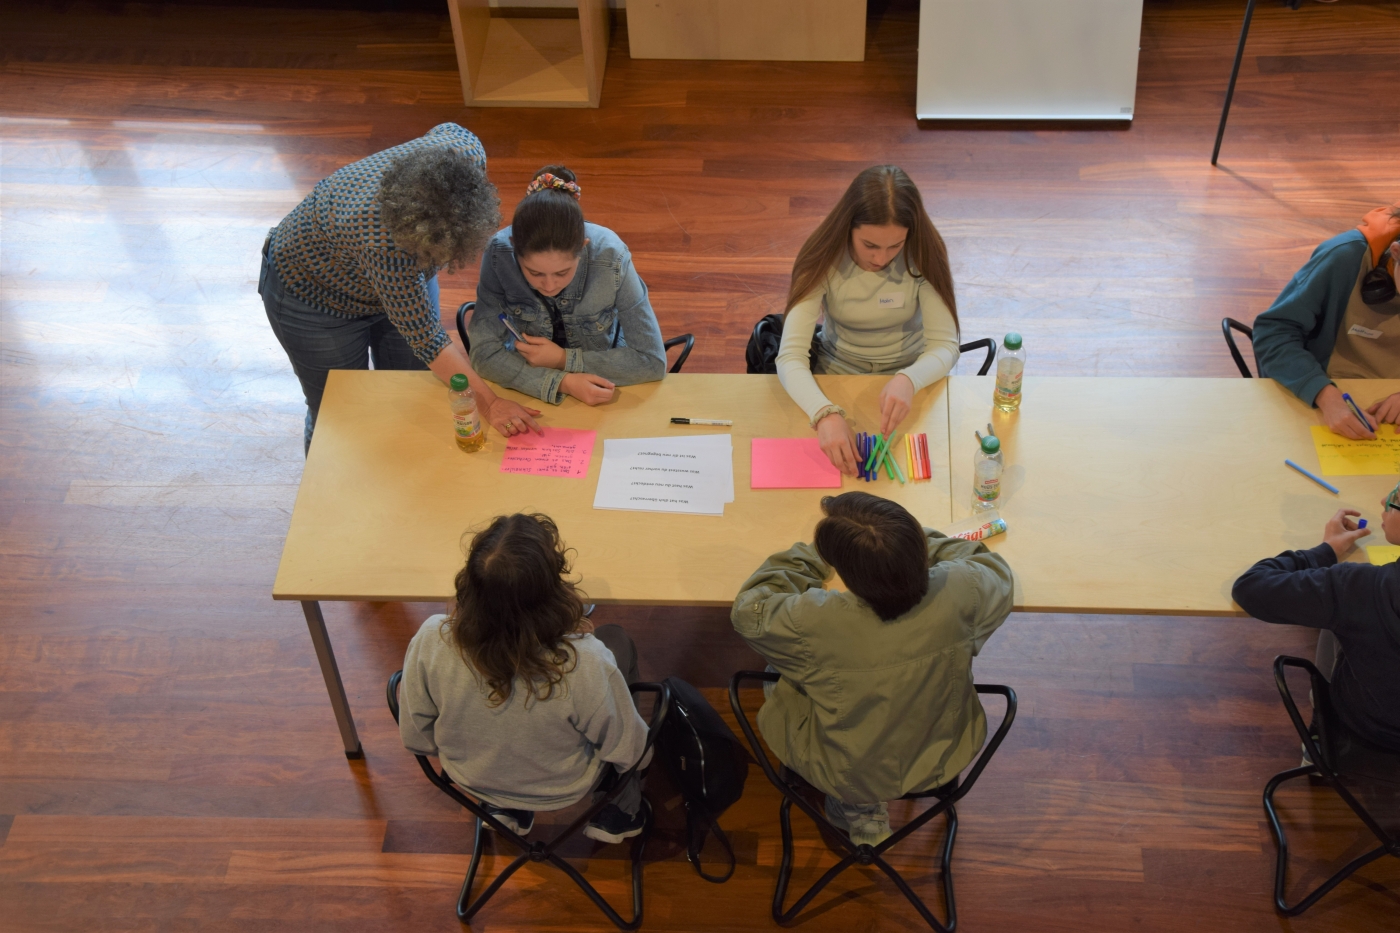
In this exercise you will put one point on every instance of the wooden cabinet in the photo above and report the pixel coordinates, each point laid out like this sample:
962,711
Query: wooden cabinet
530,61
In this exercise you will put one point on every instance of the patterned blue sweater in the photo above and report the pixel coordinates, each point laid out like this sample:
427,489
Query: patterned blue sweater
333,252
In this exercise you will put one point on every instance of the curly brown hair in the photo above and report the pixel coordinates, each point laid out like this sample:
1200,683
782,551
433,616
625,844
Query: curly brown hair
515,607
439,207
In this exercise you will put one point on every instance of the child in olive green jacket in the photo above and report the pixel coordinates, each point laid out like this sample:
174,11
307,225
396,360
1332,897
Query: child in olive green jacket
876,698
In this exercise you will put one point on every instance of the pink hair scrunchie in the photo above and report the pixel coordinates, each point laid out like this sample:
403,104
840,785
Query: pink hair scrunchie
548,180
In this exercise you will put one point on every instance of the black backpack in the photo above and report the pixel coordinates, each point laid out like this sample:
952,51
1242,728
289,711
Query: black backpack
709,765
761,355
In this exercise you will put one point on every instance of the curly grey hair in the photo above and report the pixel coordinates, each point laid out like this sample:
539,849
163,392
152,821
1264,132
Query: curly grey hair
439,207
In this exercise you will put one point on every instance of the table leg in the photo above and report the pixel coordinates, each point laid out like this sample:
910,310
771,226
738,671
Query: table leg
322,640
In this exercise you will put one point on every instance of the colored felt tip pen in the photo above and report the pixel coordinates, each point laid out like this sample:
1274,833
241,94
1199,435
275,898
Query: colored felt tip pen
1356,410
994,527
716,421
510,327
1316,479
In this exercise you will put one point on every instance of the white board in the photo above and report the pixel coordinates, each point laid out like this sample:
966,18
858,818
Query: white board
1028,59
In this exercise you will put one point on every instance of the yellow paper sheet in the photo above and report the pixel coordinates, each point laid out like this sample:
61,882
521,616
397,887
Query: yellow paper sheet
1342,456
1383,553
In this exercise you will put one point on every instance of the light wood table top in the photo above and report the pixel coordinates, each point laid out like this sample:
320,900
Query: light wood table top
386,496
1151,495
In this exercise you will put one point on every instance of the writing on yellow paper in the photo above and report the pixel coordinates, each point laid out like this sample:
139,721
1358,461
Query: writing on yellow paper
1383,553
1342,456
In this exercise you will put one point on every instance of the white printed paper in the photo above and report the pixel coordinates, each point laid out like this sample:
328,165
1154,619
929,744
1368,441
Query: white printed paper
667,474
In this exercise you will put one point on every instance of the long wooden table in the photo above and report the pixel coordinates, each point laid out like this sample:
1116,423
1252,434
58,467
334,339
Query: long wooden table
386,497
1133,496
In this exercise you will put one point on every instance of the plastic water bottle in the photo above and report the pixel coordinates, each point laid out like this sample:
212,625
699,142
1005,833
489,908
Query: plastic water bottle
986,475
470,435
1011,365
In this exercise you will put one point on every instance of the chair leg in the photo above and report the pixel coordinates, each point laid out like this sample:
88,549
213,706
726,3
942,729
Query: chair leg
1281,865
785,869
638,850
465,910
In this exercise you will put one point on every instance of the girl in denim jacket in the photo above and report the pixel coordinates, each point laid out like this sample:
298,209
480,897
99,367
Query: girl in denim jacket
576,316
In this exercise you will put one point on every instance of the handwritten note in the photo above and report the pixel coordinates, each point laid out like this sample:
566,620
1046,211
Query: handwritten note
1342,456
560,452
1383,553
791,463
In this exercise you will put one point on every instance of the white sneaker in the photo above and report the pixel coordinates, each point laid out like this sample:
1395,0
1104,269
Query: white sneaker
869,824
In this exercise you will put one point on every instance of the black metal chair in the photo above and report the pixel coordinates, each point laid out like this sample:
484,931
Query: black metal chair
991,346
791,786
1339,757
1228,324
539,851
687,339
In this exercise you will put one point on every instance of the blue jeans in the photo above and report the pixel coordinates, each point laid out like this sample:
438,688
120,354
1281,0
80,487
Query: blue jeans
317,342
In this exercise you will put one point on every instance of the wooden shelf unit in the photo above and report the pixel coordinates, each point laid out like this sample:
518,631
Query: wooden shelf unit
530,61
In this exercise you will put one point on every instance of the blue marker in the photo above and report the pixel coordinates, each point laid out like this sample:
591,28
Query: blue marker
511,329
1316,479
1355,410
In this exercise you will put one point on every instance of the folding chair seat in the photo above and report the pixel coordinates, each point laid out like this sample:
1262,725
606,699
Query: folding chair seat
541,851
1349,765
791,786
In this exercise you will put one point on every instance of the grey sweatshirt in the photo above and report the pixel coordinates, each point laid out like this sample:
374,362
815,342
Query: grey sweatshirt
530,755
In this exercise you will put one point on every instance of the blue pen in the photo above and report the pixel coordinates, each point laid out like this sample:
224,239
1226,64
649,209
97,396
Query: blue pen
1356,410
1316,479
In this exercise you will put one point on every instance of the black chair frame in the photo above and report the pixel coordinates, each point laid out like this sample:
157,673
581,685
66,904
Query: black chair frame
787,783
541,851
990,345
1228,324
687,339
1322,766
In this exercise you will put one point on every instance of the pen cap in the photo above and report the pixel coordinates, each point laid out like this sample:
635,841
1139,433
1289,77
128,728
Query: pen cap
1012,341
990,445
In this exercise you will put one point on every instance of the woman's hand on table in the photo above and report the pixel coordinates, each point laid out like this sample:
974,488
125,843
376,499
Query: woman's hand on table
1339,417
1387,410
511,418
541,352
896,398
1342,534
838,442
587,388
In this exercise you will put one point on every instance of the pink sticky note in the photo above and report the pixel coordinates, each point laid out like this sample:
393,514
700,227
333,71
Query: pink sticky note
791,463
560,452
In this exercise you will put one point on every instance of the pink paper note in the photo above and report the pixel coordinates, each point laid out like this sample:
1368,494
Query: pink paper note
791,463
560,452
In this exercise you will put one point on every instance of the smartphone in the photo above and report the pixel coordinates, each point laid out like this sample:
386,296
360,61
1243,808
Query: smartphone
511,329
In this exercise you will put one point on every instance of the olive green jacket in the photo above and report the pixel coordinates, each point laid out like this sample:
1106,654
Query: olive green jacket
868,710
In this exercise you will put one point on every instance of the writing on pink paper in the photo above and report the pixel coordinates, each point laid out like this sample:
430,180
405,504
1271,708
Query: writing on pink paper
790,463
560,452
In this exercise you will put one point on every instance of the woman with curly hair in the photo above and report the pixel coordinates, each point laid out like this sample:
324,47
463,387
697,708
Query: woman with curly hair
525,708
560,309
350,274
877,270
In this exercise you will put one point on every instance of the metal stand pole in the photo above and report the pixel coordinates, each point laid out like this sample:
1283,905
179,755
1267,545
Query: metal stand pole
1234,73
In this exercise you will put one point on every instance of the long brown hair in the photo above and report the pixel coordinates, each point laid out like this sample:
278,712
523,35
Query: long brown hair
515,607
880,195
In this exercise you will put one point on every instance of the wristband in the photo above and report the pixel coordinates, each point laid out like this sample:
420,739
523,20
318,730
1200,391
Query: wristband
828,410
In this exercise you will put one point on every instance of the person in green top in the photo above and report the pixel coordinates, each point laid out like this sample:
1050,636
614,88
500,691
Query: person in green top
876,698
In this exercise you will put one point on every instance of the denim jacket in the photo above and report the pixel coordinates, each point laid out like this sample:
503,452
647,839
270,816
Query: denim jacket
609,326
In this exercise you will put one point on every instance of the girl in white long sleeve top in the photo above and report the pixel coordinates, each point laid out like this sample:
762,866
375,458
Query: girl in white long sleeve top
878,270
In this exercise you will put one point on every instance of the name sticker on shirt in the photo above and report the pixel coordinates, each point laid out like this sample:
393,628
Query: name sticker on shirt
1358,331
896,301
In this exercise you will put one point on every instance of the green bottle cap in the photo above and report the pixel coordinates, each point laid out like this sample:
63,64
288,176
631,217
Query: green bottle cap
1012,341
990,445
458,383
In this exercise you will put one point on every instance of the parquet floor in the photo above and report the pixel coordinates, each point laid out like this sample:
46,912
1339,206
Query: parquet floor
168,760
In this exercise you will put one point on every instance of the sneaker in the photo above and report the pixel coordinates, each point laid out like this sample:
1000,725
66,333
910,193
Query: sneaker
612,825
519,822
870,828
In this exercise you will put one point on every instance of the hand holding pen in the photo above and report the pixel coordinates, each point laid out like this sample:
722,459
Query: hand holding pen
1342,415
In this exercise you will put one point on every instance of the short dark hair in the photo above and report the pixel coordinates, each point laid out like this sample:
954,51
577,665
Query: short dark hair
515,608
548,220
878,548
439,206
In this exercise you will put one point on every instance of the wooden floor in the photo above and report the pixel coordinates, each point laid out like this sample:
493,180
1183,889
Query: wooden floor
168,759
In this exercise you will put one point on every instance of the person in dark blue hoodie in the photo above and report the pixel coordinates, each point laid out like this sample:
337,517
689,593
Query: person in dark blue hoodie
1357,603
1339,318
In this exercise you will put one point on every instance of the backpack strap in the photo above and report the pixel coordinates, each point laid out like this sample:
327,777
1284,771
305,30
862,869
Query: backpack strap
698,827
